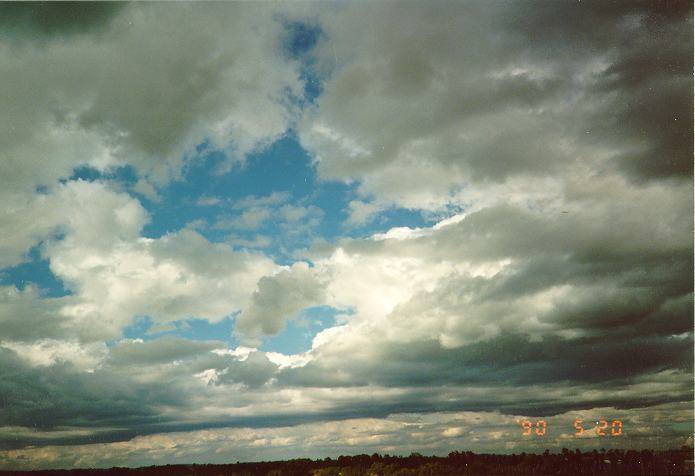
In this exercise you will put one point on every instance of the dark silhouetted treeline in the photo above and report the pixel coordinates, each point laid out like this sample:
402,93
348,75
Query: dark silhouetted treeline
645,462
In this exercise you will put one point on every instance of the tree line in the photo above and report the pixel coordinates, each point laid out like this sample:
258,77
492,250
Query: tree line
632,462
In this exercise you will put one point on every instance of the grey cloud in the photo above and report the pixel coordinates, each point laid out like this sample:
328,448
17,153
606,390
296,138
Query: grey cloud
504,374
586,239
250,219
568,283
158,81
254,371
278,297
297,221
509,359
599,295
499,93
430,433
25,316
61,396
647,85
163,105
153,84
164,350
658,114
29,20
111,402
251,201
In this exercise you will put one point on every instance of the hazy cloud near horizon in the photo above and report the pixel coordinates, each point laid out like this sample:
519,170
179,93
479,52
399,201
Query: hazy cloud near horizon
487,214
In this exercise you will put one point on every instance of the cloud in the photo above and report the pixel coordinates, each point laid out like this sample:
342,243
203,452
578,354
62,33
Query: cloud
557,283
115,275
26,220
428,117
257,210
47,352
251,201
513,295
259,241
45,20
448,317
398,434
250,219
361,212
255,370
164,350
118,94
25,316
277,298
78,399
645,81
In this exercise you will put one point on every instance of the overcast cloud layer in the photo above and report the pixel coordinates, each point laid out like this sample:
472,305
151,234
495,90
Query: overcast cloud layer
545,149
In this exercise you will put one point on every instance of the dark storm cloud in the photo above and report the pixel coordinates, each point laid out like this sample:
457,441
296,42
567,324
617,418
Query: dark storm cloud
508,359
111,402
124,397
60,395
31,20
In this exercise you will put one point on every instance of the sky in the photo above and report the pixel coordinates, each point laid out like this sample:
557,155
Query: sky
254,231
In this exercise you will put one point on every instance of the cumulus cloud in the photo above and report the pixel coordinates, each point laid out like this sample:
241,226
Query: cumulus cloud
278,297
506,279
174,278
78,399
361,212
115,275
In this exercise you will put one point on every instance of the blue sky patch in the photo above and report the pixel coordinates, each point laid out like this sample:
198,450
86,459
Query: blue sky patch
301,40
301,330
34,271
195,329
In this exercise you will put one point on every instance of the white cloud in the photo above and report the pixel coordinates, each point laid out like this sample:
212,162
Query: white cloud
361,212
250,219
176,277
146,189
274,199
